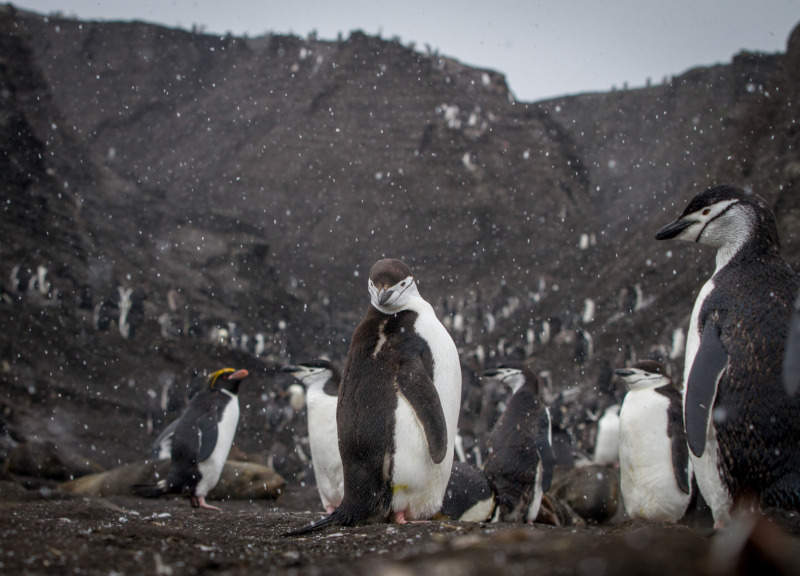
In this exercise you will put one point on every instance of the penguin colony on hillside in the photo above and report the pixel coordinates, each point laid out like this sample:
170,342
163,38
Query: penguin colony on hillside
383,436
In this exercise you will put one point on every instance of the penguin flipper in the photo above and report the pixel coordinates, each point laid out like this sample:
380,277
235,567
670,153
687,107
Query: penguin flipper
207,426
417,387
791,354
162,447
680,449
544,447
708,367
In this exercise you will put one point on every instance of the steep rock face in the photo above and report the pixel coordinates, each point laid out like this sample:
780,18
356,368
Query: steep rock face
231,187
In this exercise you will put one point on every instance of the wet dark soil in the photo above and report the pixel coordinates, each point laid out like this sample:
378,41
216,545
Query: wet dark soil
52,533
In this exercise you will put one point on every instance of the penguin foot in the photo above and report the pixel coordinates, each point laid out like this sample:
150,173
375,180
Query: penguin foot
200,502
400,518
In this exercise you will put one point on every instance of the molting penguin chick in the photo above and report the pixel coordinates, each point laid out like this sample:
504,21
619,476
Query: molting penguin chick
520,451
398,407
742,429
321,379
655,475
201,440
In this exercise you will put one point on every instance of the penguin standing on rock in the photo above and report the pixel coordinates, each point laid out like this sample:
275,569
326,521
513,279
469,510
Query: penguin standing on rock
201,440
321,379
520,450
398,407
655,474
743,430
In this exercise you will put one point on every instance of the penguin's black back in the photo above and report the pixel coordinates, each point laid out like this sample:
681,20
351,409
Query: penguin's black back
677,435
757,423
186,449
512,457
365,413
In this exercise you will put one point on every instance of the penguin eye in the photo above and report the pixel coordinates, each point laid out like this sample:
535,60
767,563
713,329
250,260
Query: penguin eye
403,283
706,211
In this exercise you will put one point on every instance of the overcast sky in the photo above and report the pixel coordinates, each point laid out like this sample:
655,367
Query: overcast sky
545,48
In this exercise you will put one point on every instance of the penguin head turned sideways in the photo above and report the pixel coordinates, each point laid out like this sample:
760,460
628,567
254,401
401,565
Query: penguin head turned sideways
645,374
513,375
226,379
313,374
391,286
723,216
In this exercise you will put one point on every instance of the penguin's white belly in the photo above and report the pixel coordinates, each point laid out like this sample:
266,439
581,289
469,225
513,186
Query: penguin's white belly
418,484
536,503
606,450
323,438
709,480
693,338
706,468
647,480
212,467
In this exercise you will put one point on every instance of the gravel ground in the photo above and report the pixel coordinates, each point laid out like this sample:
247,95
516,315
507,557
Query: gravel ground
53,533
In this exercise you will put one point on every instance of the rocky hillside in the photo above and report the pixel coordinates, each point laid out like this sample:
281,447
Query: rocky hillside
174,202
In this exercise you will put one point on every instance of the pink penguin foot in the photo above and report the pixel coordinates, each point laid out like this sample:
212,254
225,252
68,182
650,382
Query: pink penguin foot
400,518
200,502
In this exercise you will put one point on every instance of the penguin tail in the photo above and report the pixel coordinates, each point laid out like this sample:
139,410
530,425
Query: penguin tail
313,527
150,490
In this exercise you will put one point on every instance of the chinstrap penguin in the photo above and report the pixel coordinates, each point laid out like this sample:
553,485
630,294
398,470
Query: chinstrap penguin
201,440
520,452
470,495
742,429
398,407
321,379
655,474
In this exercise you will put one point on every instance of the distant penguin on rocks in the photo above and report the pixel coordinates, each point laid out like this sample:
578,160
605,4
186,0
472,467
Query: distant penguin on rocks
520,452
742,428
201,440
321,380
398,407
655,474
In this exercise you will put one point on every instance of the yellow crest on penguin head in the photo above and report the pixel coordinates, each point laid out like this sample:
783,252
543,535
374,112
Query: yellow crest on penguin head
214,376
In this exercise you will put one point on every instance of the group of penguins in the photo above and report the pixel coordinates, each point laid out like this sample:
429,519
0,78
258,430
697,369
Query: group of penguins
383,434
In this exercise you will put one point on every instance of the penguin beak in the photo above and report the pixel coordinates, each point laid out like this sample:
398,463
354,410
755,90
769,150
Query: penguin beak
384,295
674,229
490,373
623,372
239,375
290,369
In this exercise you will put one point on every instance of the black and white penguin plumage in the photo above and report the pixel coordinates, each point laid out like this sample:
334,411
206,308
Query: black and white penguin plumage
655,474
201,440
470,495
398,407
321,380
519,459
742,428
